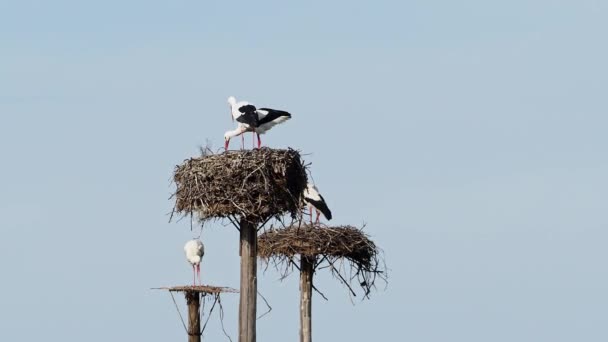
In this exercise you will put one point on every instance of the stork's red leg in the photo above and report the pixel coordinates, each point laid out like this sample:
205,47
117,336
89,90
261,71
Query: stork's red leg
318,214
198,271
310,213
259,141
194,275
242,142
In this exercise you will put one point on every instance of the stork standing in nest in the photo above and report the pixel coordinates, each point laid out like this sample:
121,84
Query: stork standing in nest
194,254
314,199
252,119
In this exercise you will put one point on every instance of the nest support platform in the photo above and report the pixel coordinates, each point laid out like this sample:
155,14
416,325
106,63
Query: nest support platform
195,296
203,289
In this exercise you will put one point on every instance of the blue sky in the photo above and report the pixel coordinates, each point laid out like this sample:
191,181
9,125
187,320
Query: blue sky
469,136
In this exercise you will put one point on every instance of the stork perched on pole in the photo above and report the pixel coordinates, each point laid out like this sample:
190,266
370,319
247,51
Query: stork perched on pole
252,119
194,254
314,199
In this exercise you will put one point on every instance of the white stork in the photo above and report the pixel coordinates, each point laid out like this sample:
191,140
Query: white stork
194,254
251,119
236,110
314,199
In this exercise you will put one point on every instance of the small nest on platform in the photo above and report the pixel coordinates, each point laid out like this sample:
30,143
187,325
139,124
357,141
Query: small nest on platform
252,184
330,247
205,289
203,294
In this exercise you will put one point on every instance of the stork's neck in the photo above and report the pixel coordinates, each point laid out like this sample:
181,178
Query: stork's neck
238,131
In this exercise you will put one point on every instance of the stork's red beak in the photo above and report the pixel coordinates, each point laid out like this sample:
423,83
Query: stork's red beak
226,143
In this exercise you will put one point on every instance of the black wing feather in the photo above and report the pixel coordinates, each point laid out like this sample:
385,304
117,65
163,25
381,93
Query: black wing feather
247,108
249,117
321,206
272,115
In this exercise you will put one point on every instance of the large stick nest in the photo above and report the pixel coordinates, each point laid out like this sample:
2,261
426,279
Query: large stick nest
252,184
346,250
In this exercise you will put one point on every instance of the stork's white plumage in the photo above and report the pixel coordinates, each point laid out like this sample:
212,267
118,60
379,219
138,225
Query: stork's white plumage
236,110
235,106
251,119
194,254
239,130
314,199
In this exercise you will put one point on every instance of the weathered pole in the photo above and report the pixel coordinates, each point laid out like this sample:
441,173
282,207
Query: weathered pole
194,319
249,281
306,272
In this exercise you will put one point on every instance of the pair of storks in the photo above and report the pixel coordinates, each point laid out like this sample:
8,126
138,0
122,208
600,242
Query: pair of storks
259,121
252,119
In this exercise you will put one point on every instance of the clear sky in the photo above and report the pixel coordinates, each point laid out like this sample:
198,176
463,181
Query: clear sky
469,135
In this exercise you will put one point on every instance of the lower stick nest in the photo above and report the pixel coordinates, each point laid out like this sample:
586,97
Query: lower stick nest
328,247
254,184
342,242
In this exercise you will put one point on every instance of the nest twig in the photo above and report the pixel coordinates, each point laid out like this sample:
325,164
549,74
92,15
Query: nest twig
252,184
330,247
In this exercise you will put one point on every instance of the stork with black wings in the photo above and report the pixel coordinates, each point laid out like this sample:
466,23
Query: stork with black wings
251,119
314,199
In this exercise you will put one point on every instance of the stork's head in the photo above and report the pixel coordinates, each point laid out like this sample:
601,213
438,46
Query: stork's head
227,137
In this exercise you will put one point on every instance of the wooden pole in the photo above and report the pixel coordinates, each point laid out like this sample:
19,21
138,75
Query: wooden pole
194,318
249,282
306,272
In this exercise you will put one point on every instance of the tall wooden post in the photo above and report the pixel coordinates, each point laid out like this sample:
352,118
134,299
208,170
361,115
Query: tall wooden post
249,281
194,318
306,272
